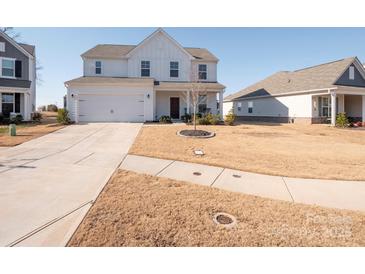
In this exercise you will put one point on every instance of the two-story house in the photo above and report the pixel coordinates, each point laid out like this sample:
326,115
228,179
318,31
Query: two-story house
137,83
17,78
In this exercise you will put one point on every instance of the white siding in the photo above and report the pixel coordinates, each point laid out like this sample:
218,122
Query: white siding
211,70
109,67
283,106
160,51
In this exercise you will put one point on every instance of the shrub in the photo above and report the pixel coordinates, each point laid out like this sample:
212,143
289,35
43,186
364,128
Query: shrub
341,120
52,108
37,116
165,119
213,119
62,116
186,118
17,119
204,120
42,108
229,118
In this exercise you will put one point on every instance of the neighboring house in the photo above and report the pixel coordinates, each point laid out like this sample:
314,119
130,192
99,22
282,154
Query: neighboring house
17,78
137,83
313,95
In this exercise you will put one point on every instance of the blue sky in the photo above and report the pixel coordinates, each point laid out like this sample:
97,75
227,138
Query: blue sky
246,54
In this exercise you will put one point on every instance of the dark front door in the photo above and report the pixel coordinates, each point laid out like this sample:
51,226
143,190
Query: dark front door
174,107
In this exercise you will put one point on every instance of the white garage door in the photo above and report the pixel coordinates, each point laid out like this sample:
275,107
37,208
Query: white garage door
118,108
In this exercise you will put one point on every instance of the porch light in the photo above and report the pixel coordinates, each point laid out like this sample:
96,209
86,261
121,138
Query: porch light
148,96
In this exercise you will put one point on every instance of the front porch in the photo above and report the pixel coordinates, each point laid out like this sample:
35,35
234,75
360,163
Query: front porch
14,102
176,100
348,100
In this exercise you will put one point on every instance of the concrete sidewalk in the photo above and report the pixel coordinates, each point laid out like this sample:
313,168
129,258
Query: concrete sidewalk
328,193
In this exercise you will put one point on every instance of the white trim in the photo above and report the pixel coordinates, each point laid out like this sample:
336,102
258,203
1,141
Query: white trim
2,47
159,30
1,67
15,44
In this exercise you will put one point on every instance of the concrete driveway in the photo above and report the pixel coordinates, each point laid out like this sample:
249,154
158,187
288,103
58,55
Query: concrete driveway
48,184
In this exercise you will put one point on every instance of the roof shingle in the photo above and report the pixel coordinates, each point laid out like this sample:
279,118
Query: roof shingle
312,78
120,51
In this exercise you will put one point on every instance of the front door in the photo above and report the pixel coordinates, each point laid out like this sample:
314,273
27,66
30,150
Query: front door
174,107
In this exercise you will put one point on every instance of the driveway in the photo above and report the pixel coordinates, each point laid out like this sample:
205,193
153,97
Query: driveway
48,184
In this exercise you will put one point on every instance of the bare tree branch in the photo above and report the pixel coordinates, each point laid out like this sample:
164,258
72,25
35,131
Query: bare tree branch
10,32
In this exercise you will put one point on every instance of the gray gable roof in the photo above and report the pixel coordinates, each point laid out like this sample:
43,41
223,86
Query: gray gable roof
29,48
317,77
120,51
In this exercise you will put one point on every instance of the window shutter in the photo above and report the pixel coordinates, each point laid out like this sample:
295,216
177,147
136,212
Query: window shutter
18,69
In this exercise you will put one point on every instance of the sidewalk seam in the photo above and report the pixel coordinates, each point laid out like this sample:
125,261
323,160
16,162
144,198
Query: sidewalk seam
158,173
216,178
287,188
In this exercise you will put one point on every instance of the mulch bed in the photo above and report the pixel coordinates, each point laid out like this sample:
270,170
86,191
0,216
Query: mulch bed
195,133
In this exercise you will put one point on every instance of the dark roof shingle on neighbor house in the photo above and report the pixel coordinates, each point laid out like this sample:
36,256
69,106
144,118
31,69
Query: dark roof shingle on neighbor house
317,77
120,51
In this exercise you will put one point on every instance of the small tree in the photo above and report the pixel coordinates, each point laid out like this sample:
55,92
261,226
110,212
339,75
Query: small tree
62,116
195,91
230,118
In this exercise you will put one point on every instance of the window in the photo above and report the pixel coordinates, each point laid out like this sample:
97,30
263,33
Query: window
98,67
202,104
2,46
202,71
145,68
8,101
325,106
239,106
352,73
250,107
8,67
174,69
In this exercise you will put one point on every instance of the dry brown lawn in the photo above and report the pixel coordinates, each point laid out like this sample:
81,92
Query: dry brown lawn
29,131
307,151
142,210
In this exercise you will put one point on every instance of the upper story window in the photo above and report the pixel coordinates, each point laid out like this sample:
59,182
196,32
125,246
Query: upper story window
8,67
174,69
2,46
202,71
98,67
145,68
352,73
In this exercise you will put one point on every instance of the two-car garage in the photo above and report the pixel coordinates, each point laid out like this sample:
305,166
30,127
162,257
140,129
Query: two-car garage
107,99
111,108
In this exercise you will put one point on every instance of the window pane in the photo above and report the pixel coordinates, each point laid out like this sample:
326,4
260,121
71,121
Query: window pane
202,75
97,70
202,68
98,64
145,64
8,97
8,72
174,73
8,64
145,72
174,65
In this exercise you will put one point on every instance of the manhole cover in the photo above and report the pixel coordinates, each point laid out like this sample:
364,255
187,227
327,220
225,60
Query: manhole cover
196,173
236,176
225,219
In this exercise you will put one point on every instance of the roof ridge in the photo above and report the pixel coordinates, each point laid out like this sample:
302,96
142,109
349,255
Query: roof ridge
327,63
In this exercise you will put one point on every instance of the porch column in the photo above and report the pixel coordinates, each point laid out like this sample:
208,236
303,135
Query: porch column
333,108
363,108
221,104
26,107
76,110
188,102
